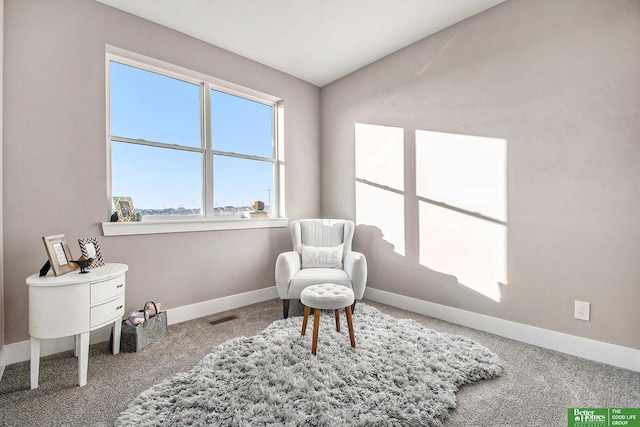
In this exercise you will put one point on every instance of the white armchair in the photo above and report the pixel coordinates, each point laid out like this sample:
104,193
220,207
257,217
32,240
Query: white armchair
321,254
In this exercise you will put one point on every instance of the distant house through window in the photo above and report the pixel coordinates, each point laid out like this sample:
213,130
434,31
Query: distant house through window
183,145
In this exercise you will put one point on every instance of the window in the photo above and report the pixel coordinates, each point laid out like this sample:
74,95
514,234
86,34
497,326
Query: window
186,146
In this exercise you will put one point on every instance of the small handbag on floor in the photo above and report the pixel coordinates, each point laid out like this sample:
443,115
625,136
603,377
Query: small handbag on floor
135,338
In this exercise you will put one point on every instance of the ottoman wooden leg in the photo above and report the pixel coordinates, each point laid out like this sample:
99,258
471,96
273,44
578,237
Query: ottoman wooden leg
337,313
316,324
350,324
304,321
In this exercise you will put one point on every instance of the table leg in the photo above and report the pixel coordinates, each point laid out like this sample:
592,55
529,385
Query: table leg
35,362
76,348
83,360
117,331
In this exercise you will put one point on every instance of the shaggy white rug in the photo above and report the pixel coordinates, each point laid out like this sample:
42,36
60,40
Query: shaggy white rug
399,374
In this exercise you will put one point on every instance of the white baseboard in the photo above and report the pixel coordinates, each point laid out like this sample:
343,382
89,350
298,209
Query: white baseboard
2,362
611,354
207,308
21,351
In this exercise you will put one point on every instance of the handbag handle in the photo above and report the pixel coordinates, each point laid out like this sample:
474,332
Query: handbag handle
144,309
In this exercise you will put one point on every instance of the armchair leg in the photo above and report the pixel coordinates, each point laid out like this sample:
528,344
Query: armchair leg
353,307
285,308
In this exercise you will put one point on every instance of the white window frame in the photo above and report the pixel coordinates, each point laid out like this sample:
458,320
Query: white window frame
207,221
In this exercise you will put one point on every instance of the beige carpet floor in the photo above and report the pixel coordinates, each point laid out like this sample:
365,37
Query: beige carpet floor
536,388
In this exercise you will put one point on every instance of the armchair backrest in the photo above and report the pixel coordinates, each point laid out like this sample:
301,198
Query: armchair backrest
322,232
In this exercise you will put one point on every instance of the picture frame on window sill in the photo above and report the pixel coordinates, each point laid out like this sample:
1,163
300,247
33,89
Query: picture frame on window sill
59,254
90,249
124,209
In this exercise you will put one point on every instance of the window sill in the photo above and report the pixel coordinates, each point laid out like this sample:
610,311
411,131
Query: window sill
187,226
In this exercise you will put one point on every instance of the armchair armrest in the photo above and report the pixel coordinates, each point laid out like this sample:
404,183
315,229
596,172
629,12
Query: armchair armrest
355,265
287,264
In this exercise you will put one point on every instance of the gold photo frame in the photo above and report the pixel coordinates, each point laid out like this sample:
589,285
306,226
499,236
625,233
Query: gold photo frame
124,209
59,254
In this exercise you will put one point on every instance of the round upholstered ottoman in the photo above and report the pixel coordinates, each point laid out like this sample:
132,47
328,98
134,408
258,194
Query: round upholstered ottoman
326,296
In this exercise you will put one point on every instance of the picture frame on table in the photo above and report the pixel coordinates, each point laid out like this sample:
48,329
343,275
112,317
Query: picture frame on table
124,209
90,249
59,254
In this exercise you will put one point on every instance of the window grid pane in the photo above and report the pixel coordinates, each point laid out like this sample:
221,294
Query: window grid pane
160,181
238,183
162,112
149,106
241,126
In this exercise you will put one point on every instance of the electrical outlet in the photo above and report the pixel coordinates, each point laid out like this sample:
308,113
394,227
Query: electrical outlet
582,310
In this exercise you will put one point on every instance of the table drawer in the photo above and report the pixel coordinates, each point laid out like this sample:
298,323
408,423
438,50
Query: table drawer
107,312
106,290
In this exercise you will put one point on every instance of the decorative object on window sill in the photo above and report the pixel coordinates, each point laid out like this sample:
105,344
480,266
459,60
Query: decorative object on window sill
90,249
83,263
59,255
124,209
258,210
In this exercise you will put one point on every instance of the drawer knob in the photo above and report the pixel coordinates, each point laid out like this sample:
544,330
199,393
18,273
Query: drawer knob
120,285
119,307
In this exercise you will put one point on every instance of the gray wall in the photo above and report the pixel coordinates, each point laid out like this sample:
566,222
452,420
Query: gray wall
55,157
559,80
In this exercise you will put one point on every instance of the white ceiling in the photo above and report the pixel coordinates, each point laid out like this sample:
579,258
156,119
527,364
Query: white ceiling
318,41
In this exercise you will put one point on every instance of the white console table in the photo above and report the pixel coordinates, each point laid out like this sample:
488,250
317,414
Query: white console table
75,304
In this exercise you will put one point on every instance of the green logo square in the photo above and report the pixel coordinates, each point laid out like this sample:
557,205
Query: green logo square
603,417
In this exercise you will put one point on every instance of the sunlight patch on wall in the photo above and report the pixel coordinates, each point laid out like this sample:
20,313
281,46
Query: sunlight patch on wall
379,167
384,210
461,184
471,249
468,172
380,155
